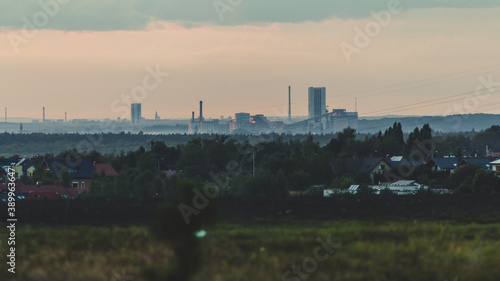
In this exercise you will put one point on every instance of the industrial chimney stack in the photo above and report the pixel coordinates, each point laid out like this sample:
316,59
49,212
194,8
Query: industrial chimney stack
201,111
44,114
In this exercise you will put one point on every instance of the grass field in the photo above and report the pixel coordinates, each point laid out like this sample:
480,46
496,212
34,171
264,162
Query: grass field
265,250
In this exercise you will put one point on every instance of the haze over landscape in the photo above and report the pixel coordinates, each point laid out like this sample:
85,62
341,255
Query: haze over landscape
242,57
194,140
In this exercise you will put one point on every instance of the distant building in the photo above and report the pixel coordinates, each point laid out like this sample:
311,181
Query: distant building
80,172
401,187
372,166
481,162
495,166
242,121
260,123
105,168
317,103
135,113
443,164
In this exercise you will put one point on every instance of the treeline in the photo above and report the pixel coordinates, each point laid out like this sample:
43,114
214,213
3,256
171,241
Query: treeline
113,143
271,166
392,141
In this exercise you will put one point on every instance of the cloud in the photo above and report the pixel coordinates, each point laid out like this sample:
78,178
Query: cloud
99,15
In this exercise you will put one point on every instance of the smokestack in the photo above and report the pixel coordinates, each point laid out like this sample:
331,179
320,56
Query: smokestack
6,115
201,111
44,114
289,103
192,116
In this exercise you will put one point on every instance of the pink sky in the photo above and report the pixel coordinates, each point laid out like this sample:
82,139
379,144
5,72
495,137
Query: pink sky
249,67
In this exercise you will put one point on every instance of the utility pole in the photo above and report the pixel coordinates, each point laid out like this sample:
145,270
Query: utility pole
253,162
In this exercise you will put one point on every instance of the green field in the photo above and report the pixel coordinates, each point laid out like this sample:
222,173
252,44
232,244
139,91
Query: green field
264,250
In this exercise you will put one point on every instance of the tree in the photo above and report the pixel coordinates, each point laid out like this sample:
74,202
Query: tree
48,177
66,179
462,175
486,182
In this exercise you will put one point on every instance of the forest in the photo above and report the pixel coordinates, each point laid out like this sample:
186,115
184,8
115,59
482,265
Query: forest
278,166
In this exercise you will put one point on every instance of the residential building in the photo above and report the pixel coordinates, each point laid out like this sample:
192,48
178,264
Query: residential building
443,164
481,162
495,165
372,166
80,170
105,168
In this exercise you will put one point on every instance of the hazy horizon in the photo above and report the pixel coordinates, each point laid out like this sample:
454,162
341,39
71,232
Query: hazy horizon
428,59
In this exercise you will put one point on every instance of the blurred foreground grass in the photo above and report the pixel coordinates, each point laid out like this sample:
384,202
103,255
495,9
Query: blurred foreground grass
264,250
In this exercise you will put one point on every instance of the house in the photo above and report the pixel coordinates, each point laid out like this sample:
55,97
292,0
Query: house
396,161
18,168
80,170
443,164
493,154
481,162
401,187
105,168
495,165
11,163
373,166
29,169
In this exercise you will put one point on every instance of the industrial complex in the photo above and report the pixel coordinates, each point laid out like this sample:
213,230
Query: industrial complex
319,120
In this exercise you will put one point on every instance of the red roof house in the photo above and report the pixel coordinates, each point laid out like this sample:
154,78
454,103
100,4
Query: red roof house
107,168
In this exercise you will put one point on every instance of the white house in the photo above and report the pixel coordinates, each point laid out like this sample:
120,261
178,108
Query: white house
495,165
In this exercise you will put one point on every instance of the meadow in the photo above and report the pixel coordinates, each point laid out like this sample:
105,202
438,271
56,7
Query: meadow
265,249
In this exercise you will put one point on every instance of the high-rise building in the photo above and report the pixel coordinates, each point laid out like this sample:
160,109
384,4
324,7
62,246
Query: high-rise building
317,102
135,113
242,120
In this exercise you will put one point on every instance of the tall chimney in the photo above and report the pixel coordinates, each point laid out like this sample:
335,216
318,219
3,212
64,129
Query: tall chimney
6,115
192,116
289,103
44,114
201,111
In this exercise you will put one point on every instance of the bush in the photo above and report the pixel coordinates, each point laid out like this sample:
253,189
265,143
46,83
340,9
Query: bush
315,191
262,185
486,182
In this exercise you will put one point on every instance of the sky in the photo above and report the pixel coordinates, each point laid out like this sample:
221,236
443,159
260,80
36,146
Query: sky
93,58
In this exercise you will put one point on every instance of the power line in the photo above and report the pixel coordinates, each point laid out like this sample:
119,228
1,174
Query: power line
401,108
